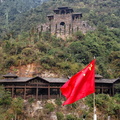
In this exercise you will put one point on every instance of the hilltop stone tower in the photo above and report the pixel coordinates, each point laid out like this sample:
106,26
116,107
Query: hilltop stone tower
64,22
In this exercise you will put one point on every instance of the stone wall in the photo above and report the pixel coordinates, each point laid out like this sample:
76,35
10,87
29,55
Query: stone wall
66,29
63,24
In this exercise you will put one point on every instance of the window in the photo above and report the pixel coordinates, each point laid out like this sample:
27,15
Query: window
62,12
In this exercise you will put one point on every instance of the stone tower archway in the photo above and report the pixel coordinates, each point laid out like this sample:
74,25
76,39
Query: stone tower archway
62,23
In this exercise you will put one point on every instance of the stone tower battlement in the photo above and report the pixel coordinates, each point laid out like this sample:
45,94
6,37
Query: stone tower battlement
64,22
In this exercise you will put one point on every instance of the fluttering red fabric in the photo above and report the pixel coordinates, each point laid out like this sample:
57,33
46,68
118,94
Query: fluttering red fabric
80,85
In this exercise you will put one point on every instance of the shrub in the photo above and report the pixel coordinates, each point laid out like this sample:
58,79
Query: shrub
5,97
58,102
11,60
46,66
27,51
117,98
71,117
60,116
108,105
79,35
74,105
48,60
49,107
31,100
64,65
89,100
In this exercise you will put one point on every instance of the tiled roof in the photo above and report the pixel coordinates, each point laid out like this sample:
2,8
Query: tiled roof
19,79
56,80
25,79
107,80
98,76
10,75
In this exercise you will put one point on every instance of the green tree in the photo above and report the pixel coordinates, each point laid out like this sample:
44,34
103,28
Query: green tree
17,107
5,97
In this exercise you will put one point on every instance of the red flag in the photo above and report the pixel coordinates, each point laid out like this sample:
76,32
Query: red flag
80,85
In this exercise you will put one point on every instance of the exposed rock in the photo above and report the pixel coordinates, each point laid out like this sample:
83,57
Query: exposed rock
31,70
52,101
53,116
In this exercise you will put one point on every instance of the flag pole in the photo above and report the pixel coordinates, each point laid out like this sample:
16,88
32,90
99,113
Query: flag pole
94,116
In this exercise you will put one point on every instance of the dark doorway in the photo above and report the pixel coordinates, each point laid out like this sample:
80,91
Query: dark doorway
62,23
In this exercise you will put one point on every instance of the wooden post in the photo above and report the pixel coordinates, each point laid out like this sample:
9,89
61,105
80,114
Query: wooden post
41,97
102,89
110,91
113,91
37,92
57,95
48,92
12,91
60,94
25,92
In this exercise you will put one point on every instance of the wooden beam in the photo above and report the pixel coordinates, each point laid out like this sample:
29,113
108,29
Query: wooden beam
31,87
106,87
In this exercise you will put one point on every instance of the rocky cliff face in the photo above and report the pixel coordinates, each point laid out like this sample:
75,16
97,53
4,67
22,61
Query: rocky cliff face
51,110
31,70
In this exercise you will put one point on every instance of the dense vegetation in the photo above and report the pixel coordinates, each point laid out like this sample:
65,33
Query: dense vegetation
64,56
18,109
10,10
21,18
22,44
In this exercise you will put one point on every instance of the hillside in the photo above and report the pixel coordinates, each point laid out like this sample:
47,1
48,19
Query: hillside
10,10
22,44
52,109
26,14
63,57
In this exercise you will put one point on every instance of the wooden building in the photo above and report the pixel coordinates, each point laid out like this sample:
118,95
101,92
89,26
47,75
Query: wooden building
46,88
107,86
36,87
